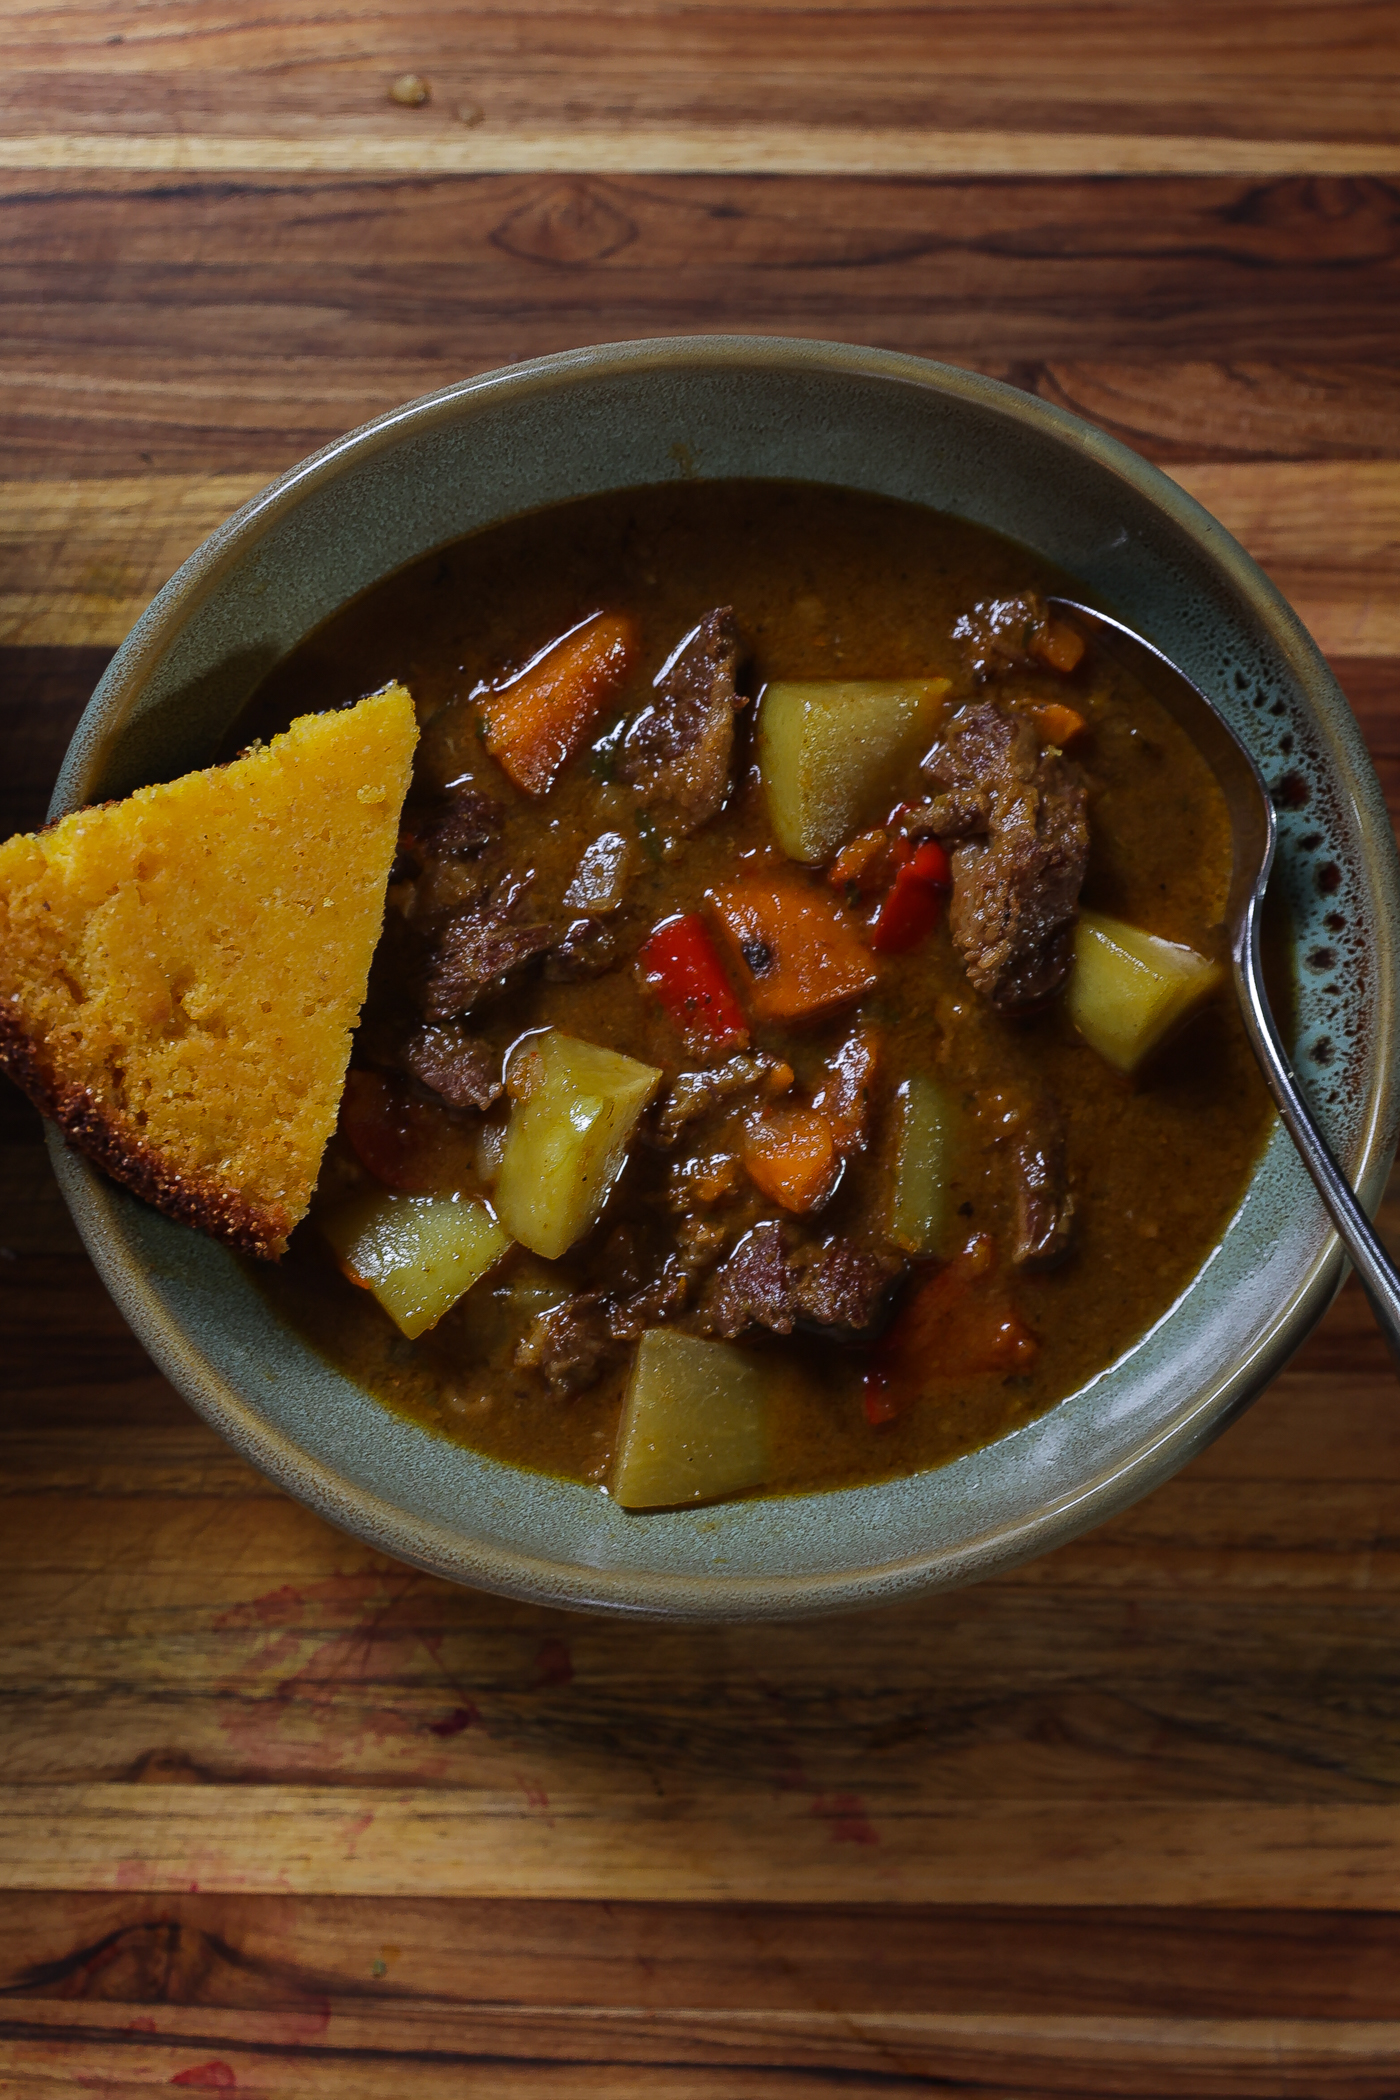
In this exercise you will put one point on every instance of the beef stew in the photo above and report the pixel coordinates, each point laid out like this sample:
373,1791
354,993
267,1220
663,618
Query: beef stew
742,1091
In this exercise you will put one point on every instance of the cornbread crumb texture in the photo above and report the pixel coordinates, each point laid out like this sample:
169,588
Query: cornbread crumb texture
180,972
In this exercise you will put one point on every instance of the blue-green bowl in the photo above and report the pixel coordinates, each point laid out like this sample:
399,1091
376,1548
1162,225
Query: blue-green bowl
638,413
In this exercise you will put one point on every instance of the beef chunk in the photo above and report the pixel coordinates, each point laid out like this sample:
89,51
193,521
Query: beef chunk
963,813
694,1094
461,1070
659,1300
714,1178
1044,1205
589,948
837,1286
846,1095
699,1244
601,877
1000,635
1015,887
468,825
571,1344
678,750
479,952
844,1288
754,1288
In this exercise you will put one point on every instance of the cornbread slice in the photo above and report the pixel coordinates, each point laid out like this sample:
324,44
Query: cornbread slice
180,972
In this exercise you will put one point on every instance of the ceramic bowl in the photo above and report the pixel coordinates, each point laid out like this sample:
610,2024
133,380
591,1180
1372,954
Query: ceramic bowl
639,413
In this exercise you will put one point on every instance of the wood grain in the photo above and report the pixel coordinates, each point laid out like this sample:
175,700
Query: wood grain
230,328
271,1953
298,1994
221,244
1264,70
689,1847
675,149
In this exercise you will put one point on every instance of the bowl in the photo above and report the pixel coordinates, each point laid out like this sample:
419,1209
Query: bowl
636,413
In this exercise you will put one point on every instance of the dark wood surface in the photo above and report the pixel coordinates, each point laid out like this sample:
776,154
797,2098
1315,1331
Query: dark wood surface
280,1817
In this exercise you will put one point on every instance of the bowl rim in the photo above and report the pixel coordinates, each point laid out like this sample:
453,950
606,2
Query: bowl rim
422,1541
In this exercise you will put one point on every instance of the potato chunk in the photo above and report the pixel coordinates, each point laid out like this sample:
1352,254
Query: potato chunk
576,1107
832,753
1130,989
417,1254
694,1423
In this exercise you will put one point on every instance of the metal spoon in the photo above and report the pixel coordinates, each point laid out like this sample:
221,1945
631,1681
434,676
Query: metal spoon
1253,837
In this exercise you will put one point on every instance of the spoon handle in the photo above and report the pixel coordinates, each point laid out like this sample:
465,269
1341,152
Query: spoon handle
1369,1258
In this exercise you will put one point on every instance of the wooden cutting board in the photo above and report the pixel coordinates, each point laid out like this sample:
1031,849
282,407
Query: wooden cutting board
278,1816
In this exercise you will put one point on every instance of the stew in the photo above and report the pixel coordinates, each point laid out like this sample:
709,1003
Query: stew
743,1102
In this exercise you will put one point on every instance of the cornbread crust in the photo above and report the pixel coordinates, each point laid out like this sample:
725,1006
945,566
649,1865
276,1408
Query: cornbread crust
137,942
123,1153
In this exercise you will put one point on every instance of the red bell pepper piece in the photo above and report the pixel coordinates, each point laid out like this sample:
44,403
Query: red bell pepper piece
680,964
910,911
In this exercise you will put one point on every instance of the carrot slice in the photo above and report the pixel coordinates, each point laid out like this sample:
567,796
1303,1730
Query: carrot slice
536,723
1058,644
862,865
1058,724
791,1155
960,1324
797,952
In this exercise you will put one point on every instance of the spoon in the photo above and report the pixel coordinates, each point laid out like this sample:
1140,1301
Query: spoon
1253,836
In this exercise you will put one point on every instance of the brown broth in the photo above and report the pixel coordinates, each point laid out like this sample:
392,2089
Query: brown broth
824,583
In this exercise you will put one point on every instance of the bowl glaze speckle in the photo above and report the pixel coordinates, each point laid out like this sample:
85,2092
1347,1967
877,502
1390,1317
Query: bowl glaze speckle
636,413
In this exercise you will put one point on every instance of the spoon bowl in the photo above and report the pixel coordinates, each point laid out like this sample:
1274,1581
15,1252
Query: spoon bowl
1253,836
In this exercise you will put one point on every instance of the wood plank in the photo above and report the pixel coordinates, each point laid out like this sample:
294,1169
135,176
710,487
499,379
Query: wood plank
697,1847
698,2051
307,1994
296,1955
694,150
302,1658
1258,71
1161,269
1201,319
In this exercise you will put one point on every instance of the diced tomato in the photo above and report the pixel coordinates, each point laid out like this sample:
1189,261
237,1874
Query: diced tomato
961,1323
679,963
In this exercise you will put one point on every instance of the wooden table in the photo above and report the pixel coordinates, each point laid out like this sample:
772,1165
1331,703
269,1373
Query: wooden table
278,1816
